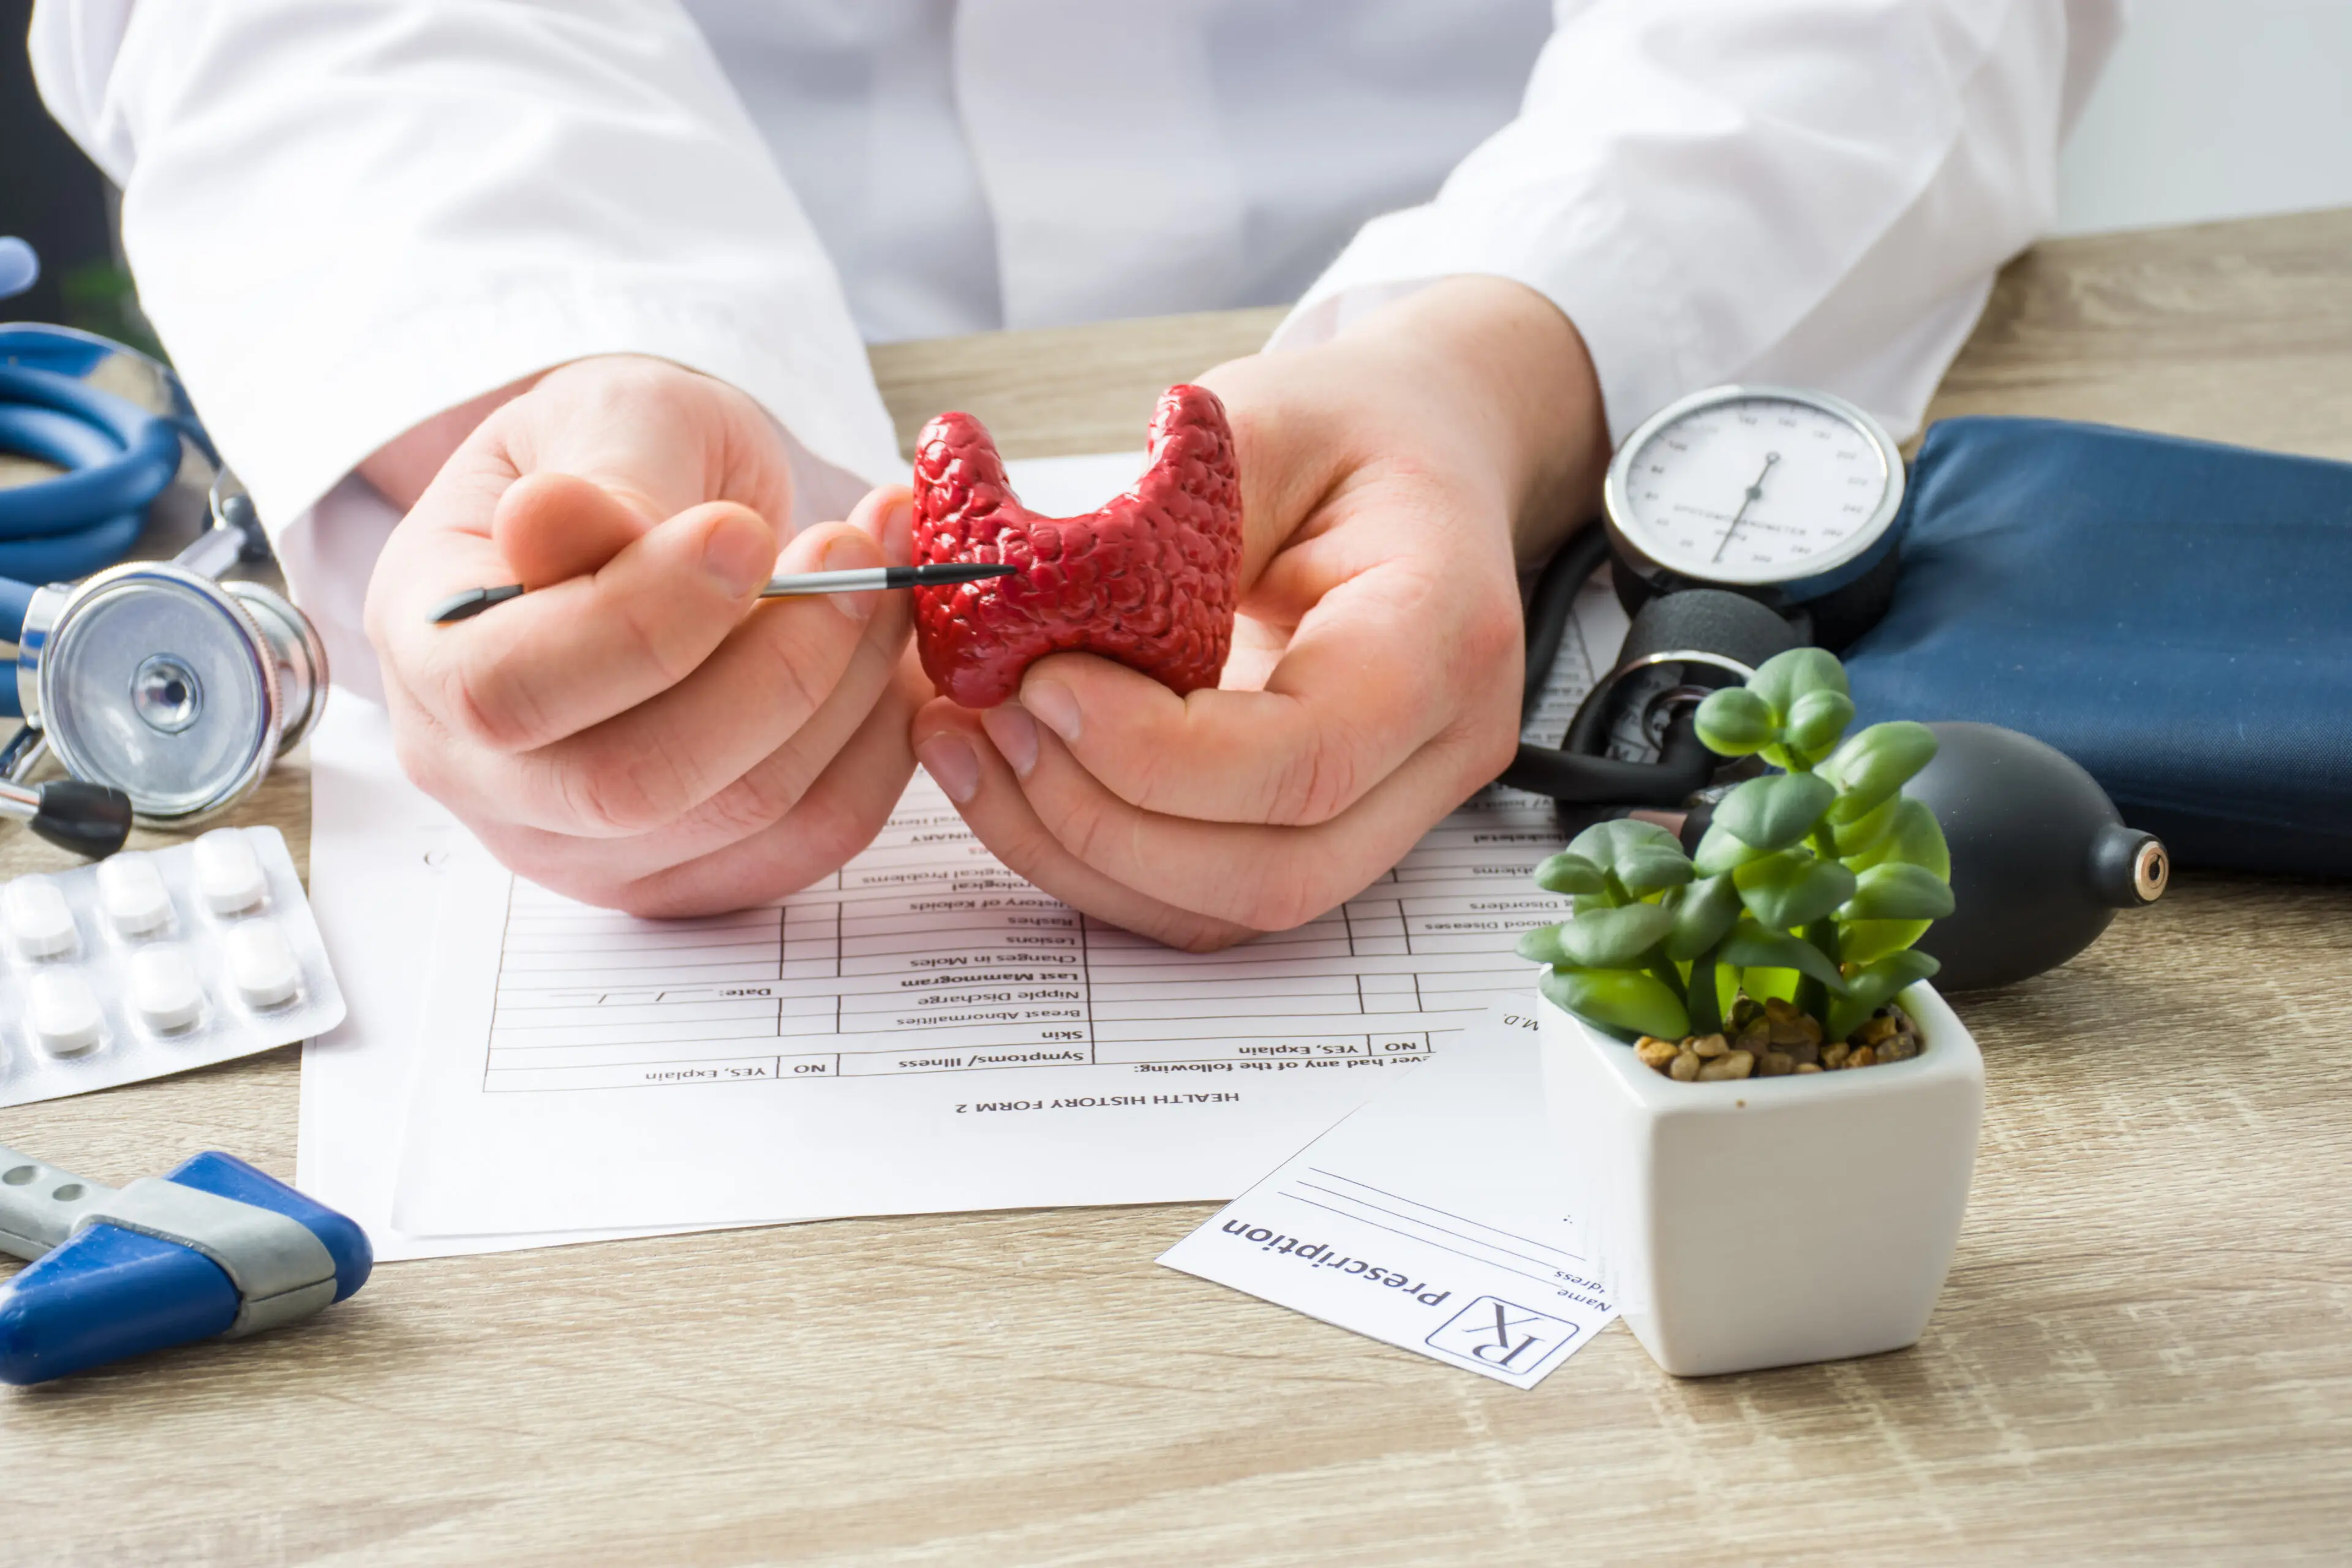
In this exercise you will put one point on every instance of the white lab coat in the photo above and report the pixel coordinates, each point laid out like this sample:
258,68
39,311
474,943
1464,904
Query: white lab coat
345,218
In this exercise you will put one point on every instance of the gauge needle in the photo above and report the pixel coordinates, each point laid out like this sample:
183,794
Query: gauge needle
1755,493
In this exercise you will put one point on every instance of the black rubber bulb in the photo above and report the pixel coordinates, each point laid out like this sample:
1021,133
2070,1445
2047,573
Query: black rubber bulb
2041,858
91,820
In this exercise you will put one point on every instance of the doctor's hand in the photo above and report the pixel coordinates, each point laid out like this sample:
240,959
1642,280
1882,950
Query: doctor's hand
1393,479
639,731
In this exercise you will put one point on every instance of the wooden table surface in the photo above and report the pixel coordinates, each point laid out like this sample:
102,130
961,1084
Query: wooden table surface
2142,1352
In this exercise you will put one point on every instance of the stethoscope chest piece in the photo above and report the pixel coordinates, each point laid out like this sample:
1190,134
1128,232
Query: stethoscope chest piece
176,689
165,692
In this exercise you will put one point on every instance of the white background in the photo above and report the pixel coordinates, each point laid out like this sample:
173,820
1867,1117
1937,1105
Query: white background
2214,109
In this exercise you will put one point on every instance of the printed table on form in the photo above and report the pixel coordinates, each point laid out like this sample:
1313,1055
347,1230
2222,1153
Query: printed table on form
924,954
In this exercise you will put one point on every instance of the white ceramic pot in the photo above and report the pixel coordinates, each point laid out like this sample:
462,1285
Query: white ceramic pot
1765,1222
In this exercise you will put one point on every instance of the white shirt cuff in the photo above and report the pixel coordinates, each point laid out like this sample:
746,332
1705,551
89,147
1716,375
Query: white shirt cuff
298,416
1577,258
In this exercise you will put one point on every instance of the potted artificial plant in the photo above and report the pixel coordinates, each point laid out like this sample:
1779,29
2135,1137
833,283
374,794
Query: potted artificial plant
1774,1116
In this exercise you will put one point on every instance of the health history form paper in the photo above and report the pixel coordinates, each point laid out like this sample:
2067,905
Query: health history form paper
925,956
925,1031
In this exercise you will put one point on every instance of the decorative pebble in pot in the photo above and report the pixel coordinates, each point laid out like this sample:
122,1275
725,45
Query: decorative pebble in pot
1773,1116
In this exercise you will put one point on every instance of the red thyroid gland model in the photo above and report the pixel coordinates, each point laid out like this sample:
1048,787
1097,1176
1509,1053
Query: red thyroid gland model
1149,580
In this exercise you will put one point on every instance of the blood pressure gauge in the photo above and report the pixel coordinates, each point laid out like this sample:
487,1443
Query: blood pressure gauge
1772,492
1744,521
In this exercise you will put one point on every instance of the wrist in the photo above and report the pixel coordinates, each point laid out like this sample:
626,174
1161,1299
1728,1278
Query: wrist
403,466
1514,368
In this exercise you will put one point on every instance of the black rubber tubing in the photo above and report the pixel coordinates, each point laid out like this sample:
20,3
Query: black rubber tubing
1572,774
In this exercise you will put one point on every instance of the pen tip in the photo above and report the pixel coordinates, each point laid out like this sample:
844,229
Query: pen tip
471,603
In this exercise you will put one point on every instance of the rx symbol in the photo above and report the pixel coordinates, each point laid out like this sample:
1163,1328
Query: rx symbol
1503,1335
1503,1348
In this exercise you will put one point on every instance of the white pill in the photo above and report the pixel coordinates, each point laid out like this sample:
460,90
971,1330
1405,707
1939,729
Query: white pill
163,988
261,963
132,893
228,873
39,922
65,1014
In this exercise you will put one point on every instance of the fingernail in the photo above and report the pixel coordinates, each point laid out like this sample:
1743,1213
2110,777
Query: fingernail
1015,734
1056,705
845,555
949,759
739,554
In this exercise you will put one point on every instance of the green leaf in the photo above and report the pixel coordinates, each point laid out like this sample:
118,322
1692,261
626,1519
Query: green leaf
1702,912
1566,873
1876,983
1619,999
1907,831
1863,941
1894,903
1541,946
1855,836
1786,676
1775,810
1720,850
1816,720
1735,721
1612,939
1897,890
1875,763
1603,842
1752,946
1644,856
1785,891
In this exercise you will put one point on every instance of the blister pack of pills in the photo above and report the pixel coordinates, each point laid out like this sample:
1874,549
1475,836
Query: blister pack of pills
155,962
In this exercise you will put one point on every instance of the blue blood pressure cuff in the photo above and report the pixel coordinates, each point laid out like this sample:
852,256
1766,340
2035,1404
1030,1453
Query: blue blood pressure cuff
2175,616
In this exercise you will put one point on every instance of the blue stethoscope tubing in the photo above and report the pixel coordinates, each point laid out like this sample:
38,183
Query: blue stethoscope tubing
117,458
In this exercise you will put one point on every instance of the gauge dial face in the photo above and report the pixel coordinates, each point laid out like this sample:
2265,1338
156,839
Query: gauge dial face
1754,487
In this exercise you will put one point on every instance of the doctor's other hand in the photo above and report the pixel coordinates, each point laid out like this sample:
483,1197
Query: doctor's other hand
639,731
1395,480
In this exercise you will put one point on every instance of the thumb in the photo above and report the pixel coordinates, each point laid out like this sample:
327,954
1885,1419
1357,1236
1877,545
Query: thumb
552,527
1288,450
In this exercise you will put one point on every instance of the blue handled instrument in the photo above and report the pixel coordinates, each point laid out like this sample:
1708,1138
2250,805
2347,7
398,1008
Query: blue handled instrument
216,1248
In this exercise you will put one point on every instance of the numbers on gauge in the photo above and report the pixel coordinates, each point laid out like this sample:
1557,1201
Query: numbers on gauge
1743,490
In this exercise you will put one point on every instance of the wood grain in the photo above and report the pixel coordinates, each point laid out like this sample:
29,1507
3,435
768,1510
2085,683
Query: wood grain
2233,332
2141,1354
1021,384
